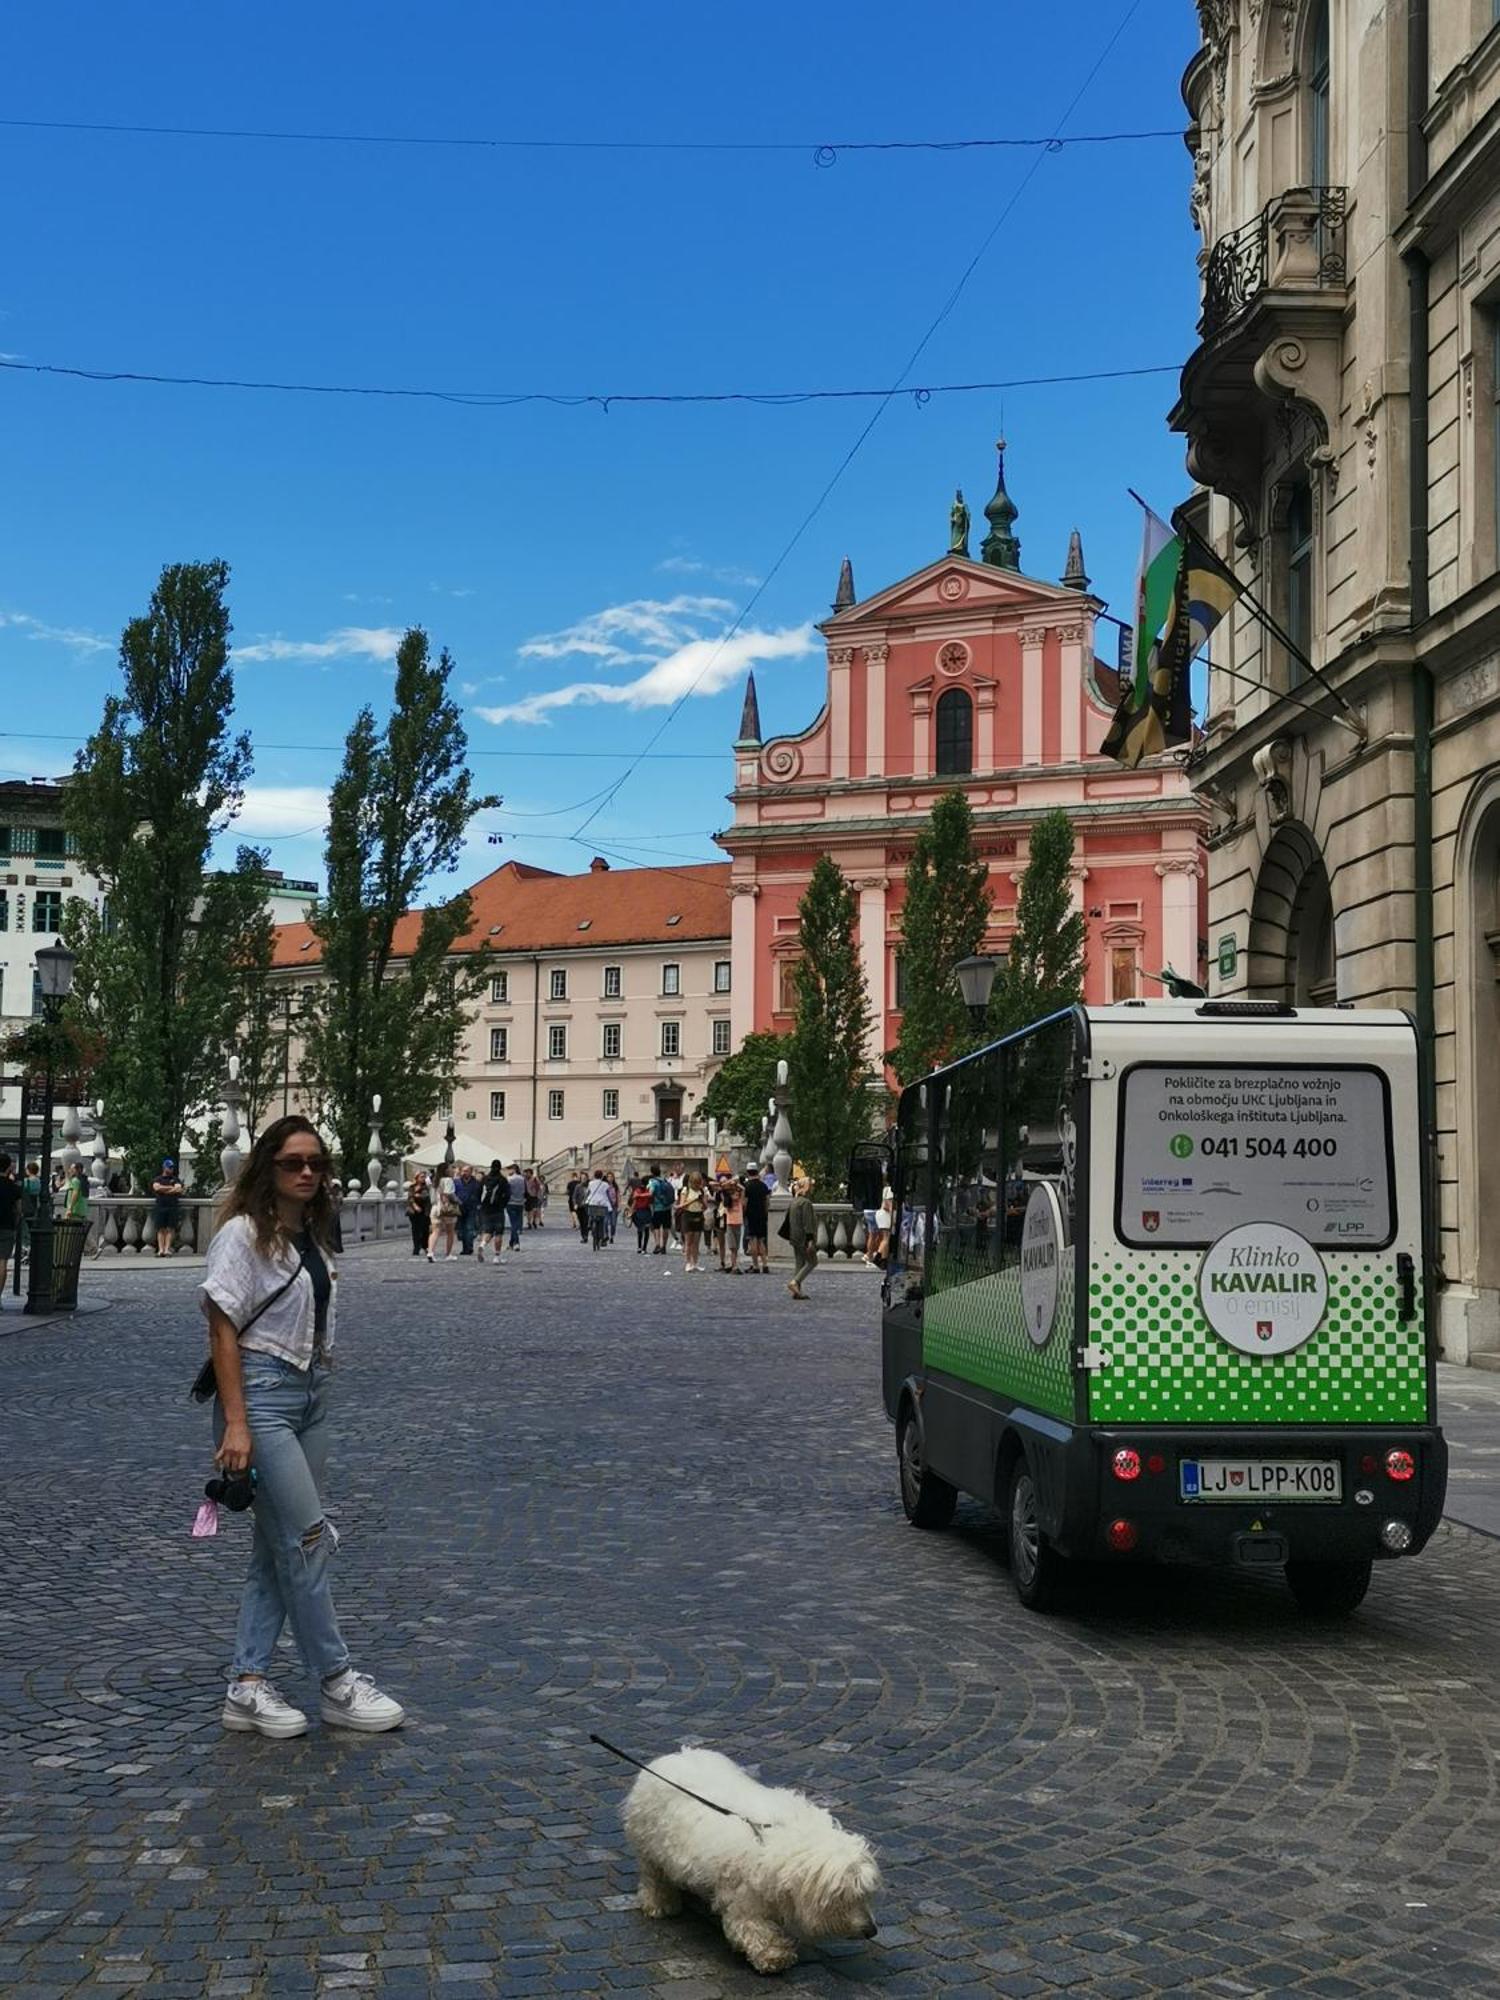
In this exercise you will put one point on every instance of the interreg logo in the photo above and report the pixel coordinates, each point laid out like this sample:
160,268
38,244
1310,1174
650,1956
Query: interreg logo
1263,1288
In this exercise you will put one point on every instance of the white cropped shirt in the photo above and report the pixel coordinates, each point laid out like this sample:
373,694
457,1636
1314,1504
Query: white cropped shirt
239,1277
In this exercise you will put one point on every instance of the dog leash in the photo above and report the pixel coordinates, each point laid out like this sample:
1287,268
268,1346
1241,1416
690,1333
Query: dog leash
757,1827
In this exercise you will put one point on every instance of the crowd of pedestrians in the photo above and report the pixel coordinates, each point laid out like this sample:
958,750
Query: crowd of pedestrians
466,1214
722,1218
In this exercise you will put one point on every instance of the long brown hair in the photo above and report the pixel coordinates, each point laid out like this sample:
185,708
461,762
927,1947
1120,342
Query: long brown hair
253,1194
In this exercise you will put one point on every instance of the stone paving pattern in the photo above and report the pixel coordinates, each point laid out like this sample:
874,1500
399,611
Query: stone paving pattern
583,1494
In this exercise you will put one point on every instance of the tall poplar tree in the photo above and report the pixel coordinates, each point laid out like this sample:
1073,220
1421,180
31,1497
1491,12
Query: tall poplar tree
943,920
160,780
828,1067
1044,968
260,1038
389,1013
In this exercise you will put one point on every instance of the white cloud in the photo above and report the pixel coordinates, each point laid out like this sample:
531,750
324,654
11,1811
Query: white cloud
444,590
349,642
59,635
357,597
720,572
625,635
274,811
702,664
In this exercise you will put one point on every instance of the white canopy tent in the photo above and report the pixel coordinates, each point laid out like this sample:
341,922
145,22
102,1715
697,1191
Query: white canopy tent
466,1152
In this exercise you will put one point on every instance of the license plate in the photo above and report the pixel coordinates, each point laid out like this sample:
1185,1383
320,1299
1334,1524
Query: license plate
1306,1479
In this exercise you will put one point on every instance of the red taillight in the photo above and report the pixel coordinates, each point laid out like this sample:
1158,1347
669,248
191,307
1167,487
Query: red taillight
1400,1465
1126,1464
1369,1464
1156,1463
1121,1536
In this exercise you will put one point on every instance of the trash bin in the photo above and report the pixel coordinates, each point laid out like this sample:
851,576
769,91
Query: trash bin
69,1235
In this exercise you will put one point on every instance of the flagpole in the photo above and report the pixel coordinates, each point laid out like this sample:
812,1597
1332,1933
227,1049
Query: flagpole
1246,680
1277,631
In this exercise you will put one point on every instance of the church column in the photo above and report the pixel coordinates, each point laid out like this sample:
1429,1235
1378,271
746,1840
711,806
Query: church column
1071,748
875,659
1032,639
872,960
984,725
742,960
921,732
1179,912
838,710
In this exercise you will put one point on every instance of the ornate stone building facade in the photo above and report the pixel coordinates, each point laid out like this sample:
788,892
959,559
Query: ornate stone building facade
1342,411
966,674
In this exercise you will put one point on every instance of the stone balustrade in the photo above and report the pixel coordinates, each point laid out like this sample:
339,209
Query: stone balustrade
121,1223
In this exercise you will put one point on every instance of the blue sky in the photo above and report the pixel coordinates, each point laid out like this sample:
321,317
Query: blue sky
552,548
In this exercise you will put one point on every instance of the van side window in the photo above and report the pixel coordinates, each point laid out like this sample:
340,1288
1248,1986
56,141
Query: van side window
966,1239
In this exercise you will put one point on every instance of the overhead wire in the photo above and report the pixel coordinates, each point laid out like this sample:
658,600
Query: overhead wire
822,153
852,453
600,399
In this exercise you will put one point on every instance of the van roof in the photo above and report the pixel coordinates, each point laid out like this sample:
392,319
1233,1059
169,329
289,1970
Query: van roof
1237,1010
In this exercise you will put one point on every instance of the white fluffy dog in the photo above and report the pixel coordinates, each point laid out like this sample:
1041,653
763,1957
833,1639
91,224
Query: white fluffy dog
780,1869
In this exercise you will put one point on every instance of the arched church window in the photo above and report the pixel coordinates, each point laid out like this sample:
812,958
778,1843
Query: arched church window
1318,95
955,734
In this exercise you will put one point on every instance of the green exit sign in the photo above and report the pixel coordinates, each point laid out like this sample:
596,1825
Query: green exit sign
1229,957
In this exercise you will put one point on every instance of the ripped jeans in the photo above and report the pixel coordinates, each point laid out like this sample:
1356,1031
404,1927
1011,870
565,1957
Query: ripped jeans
287,1409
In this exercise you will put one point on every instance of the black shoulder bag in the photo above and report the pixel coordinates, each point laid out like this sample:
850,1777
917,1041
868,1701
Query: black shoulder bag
205,1383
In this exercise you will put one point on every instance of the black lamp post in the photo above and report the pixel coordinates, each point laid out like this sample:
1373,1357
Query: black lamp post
54,968
976,978
448,1154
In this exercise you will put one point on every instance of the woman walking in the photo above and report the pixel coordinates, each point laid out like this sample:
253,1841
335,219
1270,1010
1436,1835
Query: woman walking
802,1230
444,1220
419,1211
166,1210
691,1204
598,1211
640,1215
268,1294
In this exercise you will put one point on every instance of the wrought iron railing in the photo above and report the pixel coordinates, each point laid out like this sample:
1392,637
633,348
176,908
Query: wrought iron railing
1241,265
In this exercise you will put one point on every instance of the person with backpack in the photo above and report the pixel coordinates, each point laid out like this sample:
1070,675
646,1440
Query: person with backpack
663,1200
640,1214
494,1194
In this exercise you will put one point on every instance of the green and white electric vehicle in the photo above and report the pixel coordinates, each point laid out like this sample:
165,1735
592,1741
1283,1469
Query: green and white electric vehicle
1159,1289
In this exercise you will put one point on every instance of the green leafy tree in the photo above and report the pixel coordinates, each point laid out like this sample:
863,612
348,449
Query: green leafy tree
156,784
260,1035
389,1012
739,1092
829,1065
943,920
1044,968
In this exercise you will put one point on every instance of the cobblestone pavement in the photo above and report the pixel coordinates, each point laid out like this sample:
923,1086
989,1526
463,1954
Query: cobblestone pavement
583,1494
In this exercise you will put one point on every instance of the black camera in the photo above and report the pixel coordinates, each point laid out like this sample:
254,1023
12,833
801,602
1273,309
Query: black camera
234,1490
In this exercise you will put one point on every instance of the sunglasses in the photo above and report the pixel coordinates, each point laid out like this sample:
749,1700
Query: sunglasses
302,1163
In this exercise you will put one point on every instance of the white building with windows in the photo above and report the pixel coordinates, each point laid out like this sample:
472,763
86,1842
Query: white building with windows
1342,412
39,875
607,1009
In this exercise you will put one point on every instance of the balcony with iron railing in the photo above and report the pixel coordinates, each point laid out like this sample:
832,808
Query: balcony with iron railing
1271,333
1296,243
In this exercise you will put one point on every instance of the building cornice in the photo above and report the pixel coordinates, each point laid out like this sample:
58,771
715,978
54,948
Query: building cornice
1464,181
1185,813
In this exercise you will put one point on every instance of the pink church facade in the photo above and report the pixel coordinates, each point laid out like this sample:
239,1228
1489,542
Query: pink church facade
965,674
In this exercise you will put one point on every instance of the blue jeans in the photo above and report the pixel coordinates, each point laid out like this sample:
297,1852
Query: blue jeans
514,1211
287,1409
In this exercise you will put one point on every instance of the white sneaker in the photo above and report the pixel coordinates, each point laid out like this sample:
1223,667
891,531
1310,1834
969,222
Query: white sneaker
352,1701
256,1705
430,1258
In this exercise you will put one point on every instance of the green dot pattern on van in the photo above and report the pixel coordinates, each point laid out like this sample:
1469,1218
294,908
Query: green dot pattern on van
976,1331
1167,1365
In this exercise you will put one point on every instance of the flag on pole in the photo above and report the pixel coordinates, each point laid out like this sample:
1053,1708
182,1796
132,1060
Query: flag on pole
1155,711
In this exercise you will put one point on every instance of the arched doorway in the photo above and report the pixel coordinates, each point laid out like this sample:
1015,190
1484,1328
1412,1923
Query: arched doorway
1292,955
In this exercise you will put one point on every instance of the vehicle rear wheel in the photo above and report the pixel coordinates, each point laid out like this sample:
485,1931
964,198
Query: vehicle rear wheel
1329,1589
927,1500
1038,1572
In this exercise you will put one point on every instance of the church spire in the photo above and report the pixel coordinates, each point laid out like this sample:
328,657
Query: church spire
843,597
1000,548
1074,576
749,736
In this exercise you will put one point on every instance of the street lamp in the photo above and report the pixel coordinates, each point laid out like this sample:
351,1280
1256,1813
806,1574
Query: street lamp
54,972
976,978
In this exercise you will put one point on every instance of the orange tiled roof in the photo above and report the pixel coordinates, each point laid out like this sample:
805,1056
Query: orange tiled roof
539,911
